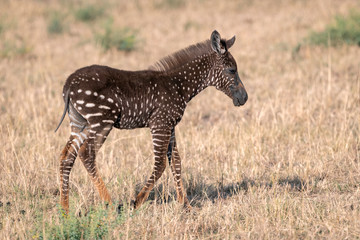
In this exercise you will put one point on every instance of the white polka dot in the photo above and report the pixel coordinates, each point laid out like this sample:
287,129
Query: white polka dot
104,107
90,105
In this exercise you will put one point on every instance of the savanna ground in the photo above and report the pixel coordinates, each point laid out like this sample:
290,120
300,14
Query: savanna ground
284,166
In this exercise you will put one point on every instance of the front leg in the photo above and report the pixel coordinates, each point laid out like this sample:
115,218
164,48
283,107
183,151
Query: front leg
161,140
175,163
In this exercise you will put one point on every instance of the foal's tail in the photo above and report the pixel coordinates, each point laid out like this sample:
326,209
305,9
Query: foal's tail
67,100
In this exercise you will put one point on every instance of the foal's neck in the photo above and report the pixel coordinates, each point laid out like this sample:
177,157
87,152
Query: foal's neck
192,77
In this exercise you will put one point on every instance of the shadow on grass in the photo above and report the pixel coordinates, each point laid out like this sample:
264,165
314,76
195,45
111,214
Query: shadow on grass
198,191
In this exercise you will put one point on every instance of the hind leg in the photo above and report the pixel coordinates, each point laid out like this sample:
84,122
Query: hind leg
87,154
70,152
67,159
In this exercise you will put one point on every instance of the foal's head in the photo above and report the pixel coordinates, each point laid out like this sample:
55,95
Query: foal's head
224,75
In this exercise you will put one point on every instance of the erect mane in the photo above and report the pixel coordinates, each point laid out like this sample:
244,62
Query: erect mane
183,56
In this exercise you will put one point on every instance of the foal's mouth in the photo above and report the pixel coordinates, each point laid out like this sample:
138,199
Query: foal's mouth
240,100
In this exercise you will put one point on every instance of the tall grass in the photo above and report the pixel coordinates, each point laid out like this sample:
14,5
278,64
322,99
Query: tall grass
284,166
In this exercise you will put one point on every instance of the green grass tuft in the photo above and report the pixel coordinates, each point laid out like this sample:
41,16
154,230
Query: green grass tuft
170,4
55,24
344,30
95,224
14,48
123,39
89,13
5,25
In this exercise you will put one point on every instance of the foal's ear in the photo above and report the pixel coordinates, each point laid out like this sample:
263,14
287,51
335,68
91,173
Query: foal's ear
230,42
216,44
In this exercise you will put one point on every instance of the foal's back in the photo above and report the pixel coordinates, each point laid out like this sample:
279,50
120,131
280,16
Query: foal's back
105,79
116,96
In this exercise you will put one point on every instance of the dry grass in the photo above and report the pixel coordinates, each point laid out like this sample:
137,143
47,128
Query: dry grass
284,166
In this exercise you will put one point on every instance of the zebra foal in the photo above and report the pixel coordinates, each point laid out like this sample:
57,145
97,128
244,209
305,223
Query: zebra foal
99,98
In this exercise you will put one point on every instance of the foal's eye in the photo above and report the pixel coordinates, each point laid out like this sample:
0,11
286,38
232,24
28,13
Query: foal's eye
232,70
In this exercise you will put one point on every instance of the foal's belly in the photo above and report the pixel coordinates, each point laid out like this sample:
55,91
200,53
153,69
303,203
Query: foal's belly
131,121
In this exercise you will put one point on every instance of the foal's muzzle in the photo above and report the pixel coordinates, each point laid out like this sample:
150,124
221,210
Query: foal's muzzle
240,98
239,94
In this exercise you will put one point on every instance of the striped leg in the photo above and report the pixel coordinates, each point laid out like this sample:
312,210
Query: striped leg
160,142
175,163
87,154
67,159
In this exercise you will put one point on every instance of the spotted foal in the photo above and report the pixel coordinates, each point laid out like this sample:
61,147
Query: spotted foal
99,98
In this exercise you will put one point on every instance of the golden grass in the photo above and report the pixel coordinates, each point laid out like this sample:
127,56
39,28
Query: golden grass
284,166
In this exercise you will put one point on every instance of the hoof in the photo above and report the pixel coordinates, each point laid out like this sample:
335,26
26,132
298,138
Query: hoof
187,207
133,204
120,208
